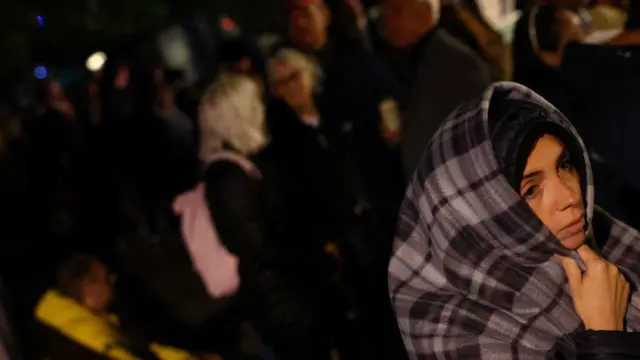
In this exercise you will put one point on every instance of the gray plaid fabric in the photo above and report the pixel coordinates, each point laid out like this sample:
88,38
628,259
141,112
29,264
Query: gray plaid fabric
472,275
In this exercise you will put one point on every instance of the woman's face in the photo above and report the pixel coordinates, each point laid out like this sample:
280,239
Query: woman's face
293,85
551,186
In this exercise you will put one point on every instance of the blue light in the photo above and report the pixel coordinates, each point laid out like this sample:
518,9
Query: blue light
40,20
40,72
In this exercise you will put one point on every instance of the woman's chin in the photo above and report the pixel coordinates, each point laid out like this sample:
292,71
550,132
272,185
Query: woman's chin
574,241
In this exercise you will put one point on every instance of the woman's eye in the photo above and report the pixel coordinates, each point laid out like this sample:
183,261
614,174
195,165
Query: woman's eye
566,165
530,192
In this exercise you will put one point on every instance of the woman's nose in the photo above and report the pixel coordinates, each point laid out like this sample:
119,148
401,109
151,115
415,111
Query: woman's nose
565,196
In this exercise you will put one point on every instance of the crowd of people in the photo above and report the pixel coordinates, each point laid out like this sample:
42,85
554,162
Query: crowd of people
274,188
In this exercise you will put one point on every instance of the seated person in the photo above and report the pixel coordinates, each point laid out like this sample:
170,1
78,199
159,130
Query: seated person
76,310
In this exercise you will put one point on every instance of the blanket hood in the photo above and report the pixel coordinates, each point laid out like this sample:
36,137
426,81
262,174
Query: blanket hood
472,271
459,186
472,274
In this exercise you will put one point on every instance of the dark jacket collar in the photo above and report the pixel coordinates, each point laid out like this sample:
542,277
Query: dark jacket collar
418,49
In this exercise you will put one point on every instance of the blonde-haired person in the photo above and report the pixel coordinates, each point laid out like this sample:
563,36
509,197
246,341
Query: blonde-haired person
231,115
300,137
259,216
294,77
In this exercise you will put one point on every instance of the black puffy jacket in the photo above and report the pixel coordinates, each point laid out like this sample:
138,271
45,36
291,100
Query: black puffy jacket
607,345
284,270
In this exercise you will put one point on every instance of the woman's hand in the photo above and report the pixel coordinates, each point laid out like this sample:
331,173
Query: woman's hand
600,294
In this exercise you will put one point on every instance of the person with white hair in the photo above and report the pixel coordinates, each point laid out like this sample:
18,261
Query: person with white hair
329,152
353,202
232,115
440,74
355,81
294,77
260,217
320,145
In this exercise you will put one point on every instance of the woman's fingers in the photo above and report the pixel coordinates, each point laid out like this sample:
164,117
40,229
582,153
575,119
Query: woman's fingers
574,274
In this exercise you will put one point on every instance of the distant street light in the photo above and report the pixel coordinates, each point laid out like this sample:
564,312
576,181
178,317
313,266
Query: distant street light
96,61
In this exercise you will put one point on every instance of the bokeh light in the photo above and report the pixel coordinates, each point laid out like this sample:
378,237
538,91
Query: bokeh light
96,61
40,72
228,24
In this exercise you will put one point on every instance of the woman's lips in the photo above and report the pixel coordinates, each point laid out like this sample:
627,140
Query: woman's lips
573,227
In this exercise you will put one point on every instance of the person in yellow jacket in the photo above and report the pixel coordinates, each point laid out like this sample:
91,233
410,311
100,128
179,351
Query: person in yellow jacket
77,310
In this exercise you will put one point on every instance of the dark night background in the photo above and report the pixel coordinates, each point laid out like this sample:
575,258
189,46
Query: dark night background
70,30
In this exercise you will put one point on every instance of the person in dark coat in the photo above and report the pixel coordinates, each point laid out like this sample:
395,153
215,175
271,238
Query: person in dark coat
618,124
357,98
314,138
464,21
601,83
440,72
261,218
355,81
300,135
540,38
324,157
57,167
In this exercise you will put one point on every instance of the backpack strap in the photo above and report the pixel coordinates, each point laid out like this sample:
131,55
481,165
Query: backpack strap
218,268
247,165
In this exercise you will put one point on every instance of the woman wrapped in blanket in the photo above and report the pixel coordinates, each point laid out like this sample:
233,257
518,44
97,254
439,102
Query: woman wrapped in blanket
500,252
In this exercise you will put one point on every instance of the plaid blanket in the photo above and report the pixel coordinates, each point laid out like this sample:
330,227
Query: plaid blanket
472,275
